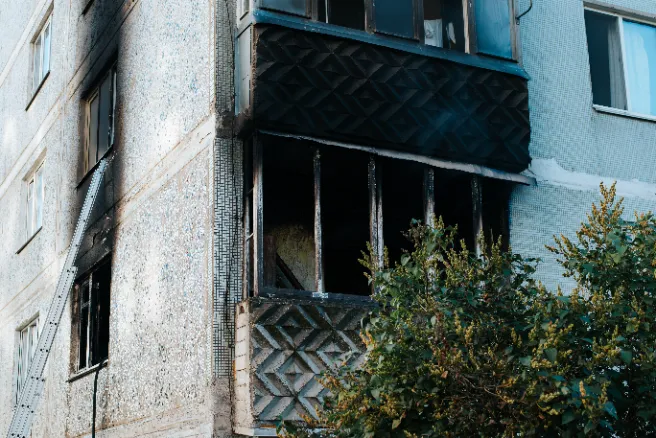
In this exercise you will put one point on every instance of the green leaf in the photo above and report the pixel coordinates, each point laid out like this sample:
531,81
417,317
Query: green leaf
526,360
568,417
551,354
626,356
589,427
396,423
610,408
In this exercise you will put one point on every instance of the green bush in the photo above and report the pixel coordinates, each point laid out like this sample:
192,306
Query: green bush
473,345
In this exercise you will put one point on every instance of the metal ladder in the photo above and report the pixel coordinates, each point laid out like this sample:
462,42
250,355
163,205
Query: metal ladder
25,411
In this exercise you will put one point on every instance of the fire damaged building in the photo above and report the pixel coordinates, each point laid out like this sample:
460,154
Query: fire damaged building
186,186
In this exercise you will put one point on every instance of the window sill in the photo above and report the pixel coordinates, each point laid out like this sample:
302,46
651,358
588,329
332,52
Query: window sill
87,371
623,113
27,242
36,92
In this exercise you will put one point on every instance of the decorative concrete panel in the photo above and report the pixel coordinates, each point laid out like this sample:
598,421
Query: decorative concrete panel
340,89
283,345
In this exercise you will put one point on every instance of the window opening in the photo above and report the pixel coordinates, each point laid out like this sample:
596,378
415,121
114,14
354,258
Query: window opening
444,24
27,340
93,294
41,55
100,120
35,189
347,13
453,202
289,258
493,27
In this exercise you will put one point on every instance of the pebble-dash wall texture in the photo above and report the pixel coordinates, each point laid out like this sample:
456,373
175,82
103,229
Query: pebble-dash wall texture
160,378
573,146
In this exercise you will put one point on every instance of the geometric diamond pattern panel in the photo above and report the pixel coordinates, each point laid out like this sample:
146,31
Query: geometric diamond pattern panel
291,343
339,89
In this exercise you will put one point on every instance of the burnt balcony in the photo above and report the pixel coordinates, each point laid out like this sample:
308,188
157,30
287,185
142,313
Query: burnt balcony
319,81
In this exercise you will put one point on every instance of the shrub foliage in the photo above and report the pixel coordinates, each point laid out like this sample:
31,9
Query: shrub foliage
467,345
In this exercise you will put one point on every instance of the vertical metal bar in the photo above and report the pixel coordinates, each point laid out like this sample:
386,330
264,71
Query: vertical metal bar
248,236
318,237
469,19
429,196
477,212
258,219
627,91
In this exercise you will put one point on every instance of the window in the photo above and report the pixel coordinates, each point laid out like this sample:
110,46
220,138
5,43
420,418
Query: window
92,310
41,55
622,62
100,120
27,339
485,27
313,209
34,208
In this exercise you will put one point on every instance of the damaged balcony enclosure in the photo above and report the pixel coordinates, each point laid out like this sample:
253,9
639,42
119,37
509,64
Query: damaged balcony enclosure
356,118
442,81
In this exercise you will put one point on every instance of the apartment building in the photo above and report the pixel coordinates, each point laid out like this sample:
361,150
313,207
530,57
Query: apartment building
256,147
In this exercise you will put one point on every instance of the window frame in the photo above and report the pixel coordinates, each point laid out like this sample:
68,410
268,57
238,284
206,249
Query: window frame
94,93
79,307
469,24
40,74
620,16
254,281
20,375
34,202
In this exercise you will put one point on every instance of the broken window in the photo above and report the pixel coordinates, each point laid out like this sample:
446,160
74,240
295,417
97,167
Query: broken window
27,340
622,58
312,210
34,208
92,294
444,24
347,13
100,120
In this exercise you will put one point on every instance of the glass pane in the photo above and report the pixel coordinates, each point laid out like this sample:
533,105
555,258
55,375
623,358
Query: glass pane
92,150
605,52
37,61
46,50
103,117
493,33
30,209
38,199
395,17
640,49
296,7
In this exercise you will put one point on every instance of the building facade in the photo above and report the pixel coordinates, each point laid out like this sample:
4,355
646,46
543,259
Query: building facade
256,146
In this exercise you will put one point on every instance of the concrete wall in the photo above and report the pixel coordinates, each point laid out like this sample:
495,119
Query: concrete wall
573,146
159,380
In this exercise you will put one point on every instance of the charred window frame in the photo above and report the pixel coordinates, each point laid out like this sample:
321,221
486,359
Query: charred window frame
91,317
100,107
486,27
310,210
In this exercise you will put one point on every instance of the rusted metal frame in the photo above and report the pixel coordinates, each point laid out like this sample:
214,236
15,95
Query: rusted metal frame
258,218
318,237
429,196
376,209
477,213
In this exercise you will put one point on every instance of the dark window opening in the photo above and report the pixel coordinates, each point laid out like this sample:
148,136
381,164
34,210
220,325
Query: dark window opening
100,120
93,317
403,201
444,24
606,69
453,202
296,7
345,219
496,198
288,206
394,17
347,13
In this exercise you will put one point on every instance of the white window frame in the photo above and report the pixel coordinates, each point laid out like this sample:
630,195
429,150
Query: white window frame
27,337
35,194
620,18
41,51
